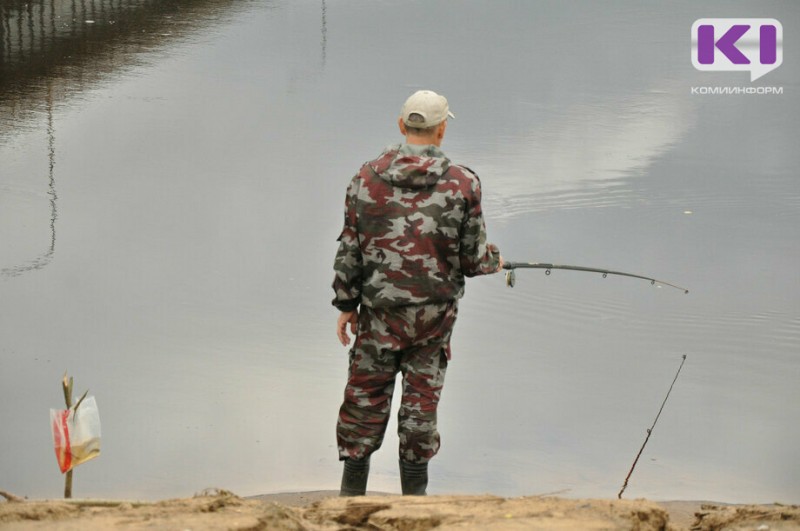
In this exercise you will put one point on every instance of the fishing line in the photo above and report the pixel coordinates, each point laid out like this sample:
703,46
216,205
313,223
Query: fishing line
650,431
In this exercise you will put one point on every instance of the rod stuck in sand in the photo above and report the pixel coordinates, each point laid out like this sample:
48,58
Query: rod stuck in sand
650,431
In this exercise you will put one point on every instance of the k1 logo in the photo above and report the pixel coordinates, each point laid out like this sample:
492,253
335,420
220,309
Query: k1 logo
733,44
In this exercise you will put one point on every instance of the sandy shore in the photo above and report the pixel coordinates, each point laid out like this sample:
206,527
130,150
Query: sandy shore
322,510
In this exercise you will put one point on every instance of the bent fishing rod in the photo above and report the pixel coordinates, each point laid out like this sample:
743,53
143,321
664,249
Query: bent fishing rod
511,277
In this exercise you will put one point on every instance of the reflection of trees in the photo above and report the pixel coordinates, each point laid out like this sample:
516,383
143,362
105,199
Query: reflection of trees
51,49
74,43
44,259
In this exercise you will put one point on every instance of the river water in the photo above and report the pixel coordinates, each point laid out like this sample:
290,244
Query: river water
172,177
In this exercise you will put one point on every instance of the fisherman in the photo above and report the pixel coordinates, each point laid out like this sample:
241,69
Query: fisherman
413,230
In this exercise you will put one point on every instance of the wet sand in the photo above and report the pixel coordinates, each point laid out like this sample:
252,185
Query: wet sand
322,510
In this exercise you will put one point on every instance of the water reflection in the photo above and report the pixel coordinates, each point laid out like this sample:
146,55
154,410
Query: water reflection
586,154
43,259
51,50
324,40
55,48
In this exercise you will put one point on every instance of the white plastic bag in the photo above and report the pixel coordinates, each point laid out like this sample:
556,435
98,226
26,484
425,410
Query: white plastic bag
76,434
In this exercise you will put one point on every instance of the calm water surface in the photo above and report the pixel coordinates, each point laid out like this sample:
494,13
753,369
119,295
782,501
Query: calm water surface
171,184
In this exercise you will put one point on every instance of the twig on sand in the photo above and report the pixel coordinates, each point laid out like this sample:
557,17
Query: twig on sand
104,503
10,497
88,502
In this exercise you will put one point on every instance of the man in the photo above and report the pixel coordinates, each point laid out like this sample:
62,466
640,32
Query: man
413,230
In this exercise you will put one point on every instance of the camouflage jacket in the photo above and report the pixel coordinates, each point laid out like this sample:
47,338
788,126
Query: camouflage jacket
413,229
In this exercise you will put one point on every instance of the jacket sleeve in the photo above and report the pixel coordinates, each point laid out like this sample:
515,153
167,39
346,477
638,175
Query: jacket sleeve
348,265
477,257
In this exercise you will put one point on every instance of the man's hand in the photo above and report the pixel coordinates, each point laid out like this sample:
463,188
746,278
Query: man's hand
495,251
341,326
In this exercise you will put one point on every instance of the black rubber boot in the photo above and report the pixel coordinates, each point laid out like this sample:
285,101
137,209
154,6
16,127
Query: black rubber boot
354,478
413,478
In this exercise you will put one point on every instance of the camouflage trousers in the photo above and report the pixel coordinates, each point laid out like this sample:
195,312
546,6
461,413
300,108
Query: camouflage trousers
411,340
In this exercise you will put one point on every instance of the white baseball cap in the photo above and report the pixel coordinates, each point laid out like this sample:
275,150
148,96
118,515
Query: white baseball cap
431,106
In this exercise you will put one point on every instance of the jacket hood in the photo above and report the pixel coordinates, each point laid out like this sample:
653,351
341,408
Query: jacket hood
411,166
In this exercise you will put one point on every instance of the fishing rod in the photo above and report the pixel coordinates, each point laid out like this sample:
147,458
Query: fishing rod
511,277
650,431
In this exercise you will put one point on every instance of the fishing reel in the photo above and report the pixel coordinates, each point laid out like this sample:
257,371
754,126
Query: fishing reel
511,277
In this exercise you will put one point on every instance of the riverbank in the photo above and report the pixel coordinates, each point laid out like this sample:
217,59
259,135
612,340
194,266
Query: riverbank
322,510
